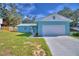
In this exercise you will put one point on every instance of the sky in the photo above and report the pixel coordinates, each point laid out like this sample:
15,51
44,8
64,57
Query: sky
42,9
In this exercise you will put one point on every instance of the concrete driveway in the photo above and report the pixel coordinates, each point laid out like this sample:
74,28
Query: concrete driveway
63,45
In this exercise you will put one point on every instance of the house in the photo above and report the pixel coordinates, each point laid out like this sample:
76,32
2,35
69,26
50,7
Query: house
29,28
51,25
1,21
5,22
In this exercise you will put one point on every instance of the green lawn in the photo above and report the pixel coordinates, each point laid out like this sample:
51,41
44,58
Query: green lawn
19,44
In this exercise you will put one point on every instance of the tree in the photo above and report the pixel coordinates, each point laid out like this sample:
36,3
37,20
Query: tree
67,12
73,15
26,20
1,8
3,11
13,16
33,19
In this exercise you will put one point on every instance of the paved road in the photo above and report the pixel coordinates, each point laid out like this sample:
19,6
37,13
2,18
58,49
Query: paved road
63,46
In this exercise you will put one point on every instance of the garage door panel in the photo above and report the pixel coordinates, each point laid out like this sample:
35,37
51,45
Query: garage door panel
49,30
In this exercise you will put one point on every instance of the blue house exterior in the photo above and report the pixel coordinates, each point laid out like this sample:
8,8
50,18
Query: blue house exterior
52,25
29,28
44,23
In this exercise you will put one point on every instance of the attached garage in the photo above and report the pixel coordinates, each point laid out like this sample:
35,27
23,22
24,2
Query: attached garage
53,28
54,25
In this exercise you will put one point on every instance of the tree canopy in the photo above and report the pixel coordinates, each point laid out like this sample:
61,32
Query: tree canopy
73,15
11,15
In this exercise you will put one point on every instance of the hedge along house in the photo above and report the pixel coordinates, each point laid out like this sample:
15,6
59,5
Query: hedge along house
52,25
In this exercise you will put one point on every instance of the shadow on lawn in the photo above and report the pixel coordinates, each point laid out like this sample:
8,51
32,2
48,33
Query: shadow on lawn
24,34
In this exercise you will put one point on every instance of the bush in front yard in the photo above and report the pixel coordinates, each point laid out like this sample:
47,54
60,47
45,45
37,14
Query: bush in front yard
75,34
37,35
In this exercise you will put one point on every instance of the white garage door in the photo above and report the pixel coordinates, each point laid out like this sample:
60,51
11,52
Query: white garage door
49,30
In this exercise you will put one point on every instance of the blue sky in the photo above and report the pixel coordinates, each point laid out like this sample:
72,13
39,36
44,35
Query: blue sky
42,9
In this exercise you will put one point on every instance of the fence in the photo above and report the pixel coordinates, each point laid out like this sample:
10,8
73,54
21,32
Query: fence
8,28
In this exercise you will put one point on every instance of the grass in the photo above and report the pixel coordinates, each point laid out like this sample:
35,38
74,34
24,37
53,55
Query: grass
24,34
19,44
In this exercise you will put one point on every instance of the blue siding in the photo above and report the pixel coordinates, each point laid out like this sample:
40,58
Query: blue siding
38,28
67,28
35,29
23,29
27,29
41,23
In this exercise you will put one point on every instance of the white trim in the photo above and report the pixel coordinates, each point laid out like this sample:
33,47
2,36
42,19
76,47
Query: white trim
30,24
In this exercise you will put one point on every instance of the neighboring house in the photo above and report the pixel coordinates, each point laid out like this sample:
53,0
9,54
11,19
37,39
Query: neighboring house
51,25
1,21
5,22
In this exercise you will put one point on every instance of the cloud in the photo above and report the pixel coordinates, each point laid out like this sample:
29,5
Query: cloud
56,9
40,16
37,16
50,11
26,8
30,8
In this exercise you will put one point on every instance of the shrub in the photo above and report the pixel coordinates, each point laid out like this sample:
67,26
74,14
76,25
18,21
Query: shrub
75,34
37,35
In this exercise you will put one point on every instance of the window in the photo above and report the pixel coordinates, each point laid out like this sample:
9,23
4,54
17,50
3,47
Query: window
53,17
24,28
